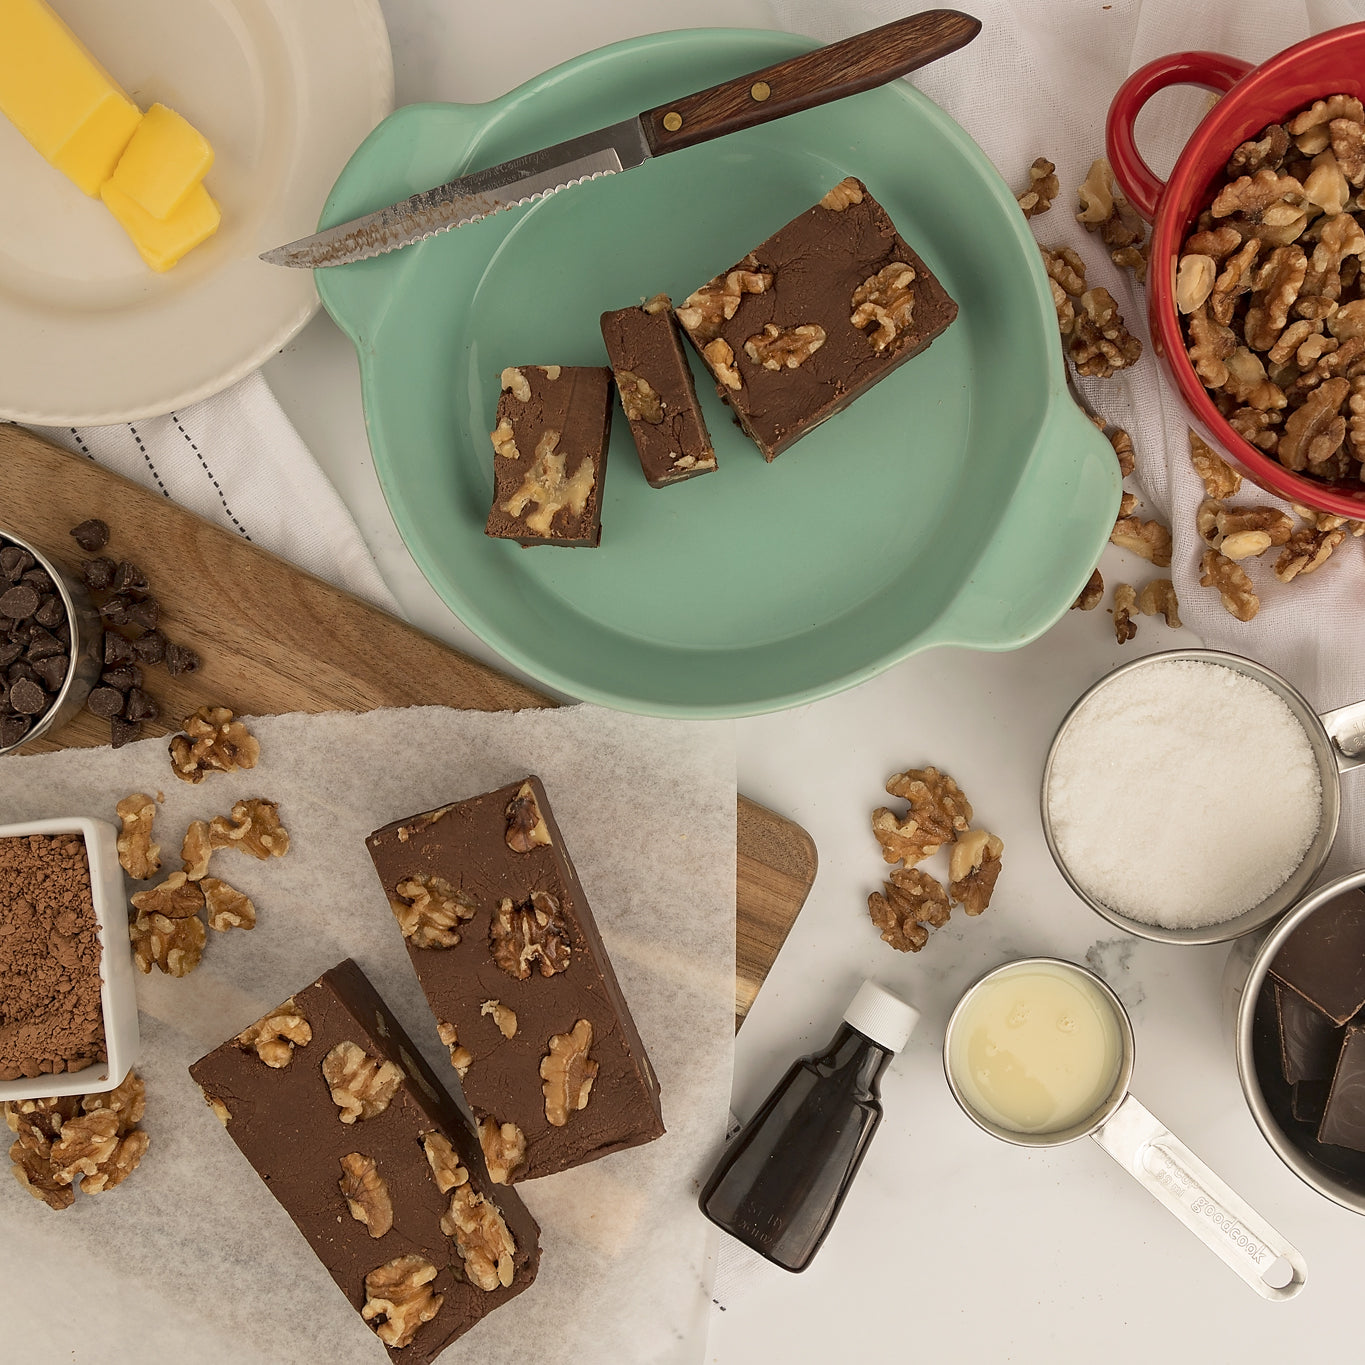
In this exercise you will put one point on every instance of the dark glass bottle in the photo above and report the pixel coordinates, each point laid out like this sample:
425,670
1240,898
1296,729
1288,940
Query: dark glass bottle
782,1179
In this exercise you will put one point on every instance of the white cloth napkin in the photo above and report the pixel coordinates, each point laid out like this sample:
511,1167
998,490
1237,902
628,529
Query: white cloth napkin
1037,81
236,459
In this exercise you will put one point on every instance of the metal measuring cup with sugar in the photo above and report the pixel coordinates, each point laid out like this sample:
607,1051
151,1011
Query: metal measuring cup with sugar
1143,1146
1337,739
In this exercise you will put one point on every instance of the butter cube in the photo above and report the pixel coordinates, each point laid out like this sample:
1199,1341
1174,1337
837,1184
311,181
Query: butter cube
165,160
161,242
59,97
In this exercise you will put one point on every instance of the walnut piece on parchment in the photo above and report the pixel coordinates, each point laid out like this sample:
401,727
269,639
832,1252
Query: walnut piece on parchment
254,827
139,857
214,741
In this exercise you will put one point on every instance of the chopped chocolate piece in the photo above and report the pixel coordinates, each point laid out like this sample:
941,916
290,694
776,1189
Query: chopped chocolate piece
98,573
655,387
122,731
10,650
550,455
20,602
514,927
1309,1100
398,1187
180,660
1343,1120
91,535
824,309
42,644
104,702
14,563
128,578
50,612
1309,1041
39,580
150,648
12,729
140,706
123,678
51,671
117,650
28,697
1324,958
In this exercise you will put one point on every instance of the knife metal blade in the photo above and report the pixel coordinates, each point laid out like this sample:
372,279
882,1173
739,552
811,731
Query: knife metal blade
468,198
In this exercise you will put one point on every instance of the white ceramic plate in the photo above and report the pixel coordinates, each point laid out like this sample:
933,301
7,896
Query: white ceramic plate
284,90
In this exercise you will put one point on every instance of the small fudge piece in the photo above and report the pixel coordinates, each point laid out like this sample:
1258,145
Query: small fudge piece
827,307
1324,958
550,454
333,1106
655,386
1343,1119
506,950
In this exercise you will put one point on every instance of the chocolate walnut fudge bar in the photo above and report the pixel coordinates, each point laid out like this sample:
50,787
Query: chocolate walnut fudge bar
331,1104
505,948
824,309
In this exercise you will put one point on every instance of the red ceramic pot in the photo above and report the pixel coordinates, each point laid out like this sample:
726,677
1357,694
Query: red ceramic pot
1331,64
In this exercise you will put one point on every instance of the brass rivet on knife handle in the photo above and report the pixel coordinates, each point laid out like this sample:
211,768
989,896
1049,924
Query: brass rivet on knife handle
862,62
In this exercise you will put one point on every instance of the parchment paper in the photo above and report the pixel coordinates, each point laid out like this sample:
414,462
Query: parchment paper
192,1259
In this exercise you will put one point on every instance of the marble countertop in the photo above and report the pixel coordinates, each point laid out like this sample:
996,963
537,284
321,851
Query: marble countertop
951,1244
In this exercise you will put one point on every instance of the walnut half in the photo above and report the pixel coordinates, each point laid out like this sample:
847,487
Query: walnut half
398,1299
909,899
366,1193
274,1036
885,299
520,936
139,856
973,868
361,1085
429,911
526,827
213,742
567,1073
482,1238
504,1149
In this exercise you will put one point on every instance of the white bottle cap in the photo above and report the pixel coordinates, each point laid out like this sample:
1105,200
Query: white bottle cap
881,1016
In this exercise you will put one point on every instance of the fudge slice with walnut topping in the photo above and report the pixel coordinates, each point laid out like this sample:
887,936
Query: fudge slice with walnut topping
824,309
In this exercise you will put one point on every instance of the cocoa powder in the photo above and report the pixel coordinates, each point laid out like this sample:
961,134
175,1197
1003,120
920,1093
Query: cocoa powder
50,1018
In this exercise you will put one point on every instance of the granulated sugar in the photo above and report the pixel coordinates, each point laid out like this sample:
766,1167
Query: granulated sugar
1183,794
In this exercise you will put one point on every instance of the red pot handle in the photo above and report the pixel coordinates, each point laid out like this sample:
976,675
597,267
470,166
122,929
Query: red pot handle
1211,70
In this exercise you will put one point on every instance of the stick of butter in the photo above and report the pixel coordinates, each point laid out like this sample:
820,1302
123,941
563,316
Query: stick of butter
59,97
161,242
167,157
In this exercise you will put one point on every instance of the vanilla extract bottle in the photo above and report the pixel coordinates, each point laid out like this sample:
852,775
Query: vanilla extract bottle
784,1176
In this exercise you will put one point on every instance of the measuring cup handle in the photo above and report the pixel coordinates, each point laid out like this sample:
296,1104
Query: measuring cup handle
1346,728
1168,1170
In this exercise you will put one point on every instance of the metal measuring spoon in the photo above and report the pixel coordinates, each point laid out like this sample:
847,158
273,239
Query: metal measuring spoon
1151,1154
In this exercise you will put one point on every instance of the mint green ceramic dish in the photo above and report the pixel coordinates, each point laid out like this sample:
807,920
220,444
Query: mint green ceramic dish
962,501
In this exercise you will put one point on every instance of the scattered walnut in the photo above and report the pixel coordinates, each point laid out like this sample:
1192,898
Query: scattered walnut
702,312
1325,521
195,850
775,347
175,897
227,907
36,1175
846,192
909,900
1123,451
1245,544
87,1149
1158,598
504,1149
721,358
938,810
638,398
1127,504
444,1161
1150,539
1125,600
1100,343
1043,188
504,440
1234,587
274,1036
503,1017
522,935
526,827
1221,480
127,1100
1065,268
366,1193
213,742
886,299
482,1239
429,910
361,1085
174,945
1270,521
567,1073
516,384
1306,550
254,828
460,1056
1134,258
137,854
398,1299
1103,209
547,486
973,868
1091,595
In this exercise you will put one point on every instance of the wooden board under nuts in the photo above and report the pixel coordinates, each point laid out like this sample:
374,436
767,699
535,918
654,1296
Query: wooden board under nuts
275,639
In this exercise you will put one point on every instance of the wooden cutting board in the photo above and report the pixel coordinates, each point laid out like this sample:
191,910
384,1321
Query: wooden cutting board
275,639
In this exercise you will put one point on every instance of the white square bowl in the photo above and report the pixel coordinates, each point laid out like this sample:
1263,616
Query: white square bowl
118,995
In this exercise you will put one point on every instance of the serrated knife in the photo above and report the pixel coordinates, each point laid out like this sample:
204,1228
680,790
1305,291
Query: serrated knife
860,63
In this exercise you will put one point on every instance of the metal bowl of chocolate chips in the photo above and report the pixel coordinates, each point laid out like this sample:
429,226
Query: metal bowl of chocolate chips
49,644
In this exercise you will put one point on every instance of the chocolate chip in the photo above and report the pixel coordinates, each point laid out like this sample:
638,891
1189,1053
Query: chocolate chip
98,573
115,610
105,702
12,730
124,678
10,650
50,612
121,731
144,614
42,644
51,671
140,706
17,672
150,648
180,660
19,603
117,649
28,698
40,581
91,535
130,579
63,633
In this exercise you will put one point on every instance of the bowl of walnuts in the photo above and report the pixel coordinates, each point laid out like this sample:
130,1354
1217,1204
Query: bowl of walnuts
1255,294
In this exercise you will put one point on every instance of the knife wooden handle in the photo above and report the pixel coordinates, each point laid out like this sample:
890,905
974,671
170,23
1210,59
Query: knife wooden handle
862,62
